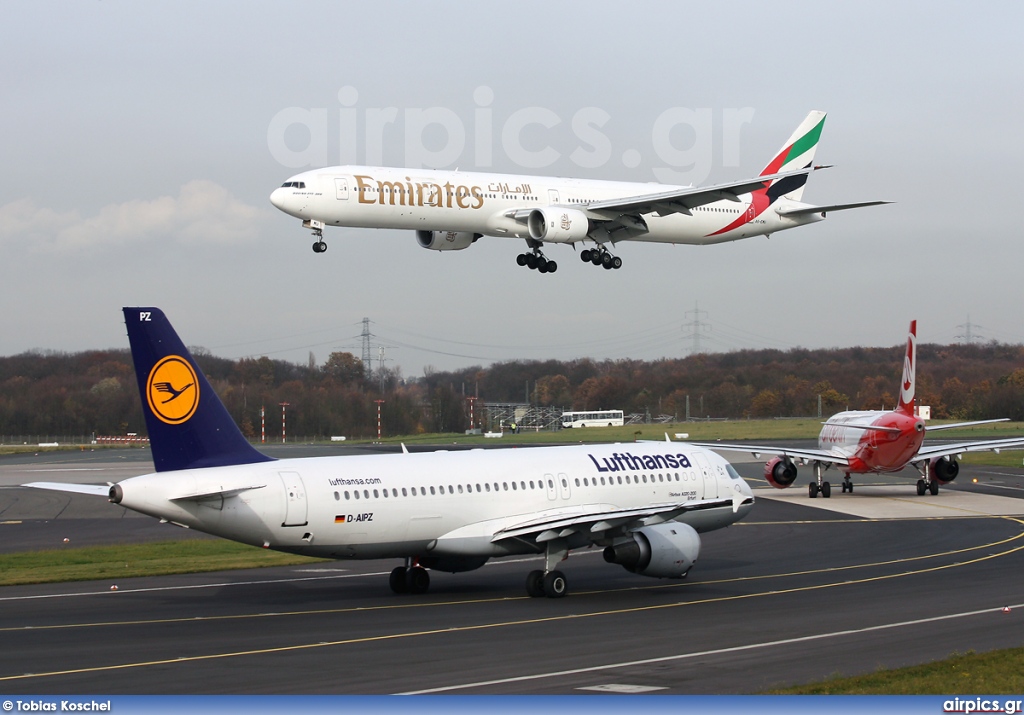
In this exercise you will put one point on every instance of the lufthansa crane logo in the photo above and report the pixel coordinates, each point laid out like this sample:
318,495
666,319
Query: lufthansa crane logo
172,390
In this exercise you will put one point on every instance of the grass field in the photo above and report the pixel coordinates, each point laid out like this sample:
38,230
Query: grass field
130,560
999,672
726,430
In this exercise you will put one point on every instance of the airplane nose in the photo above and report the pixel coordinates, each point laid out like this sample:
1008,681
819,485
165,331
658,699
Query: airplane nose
277,198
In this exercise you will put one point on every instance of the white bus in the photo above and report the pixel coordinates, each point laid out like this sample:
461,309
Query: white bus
594,418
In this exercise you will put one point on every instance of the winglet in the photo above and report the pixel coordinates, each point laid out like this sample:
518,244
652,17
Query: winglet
907,383
189,427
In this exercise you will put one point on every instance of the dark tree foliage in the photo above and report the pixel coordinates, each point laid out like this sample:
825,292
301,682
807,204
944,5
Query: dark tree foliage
95,392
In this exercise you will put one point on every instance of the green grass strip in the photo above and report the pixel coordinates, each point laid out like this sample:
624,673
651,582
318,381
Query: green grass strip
132,560
998,672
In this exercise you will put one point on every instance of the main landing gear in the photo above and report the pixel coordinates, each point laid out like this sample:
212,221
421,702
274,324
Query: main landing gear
537,261
926,485
411,578
819,486
600,257
550,582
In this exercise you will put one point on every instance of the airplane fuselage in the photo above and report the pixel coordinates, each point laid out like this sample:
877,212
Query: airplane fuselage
873,450
486,204
438,504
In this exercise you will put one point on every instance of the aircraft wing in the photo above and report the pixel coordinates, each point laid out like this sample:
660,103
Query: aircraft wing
99,490
992,445
595,523
684,199
808,455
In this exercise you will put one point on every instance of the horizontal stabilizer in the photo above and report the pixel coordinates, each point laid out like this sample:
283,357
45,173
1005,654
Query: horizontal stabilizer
825,209
954,425
99,490
873,428
218,493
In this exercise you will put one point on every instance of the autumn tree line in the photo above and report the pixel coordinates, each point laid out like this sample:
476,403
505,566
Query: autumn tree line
95,392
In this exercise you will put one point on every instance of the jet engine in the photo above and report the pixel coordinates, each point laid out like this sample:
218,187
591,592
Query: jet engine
664,550
944,469
780,472
446,240
555,225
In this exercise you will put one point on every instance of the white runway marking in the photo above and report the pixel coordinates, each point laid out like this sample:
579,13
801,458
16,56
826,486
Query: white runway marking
716,651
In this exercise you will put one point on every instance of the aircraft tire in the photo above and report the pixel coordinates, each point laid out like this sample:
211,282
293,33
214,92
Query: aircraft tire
418,580
595,257
399,580
607,259
535,583
521,259
531,261
552,266
616,263
921,488
555,585
826,490
812,490
585,254
933,487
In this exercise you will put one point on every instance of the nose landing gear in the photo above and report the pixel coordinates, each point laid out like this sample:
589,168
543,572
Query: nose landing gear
319,245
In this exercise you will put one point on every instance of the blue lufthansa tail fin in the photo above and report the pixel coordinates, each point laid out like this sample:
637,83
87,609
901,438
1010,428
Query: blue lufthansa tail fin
189,427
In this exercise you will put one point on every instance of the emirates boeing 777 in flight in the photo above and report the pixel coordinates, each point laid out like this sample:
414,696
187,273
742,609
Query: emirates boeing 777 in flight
450,210
862,442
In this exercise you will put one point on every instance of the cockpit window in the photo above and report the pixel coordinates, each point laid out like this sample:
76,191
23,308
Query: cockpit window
293,185
733,474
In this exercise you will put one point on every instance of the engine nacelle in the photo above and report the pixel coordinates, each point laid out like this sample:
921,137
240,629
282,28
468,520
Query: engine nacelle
452,564
555,225
446,240
664,550
944,469
780,472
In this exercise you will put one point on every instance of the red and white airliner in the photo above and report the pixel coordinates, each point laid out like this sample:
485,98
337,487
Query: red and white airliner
861,442
450,210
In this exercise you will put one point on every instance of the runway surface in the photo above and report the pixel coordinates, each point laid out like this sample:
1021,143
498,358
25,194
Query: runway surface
800,590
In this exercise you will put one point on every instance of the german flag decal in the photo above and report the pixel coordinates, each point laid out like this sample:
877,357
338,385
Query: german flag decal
339,519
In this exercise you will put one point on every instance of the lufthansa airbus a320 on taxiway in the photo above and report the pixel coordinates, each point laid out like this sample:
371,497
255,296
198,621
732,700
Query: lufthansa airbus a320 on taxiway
645,504
861,442
450,210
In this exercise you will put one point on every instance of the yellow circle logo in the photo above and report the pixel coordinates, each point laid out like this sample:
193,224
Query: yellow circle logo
173,390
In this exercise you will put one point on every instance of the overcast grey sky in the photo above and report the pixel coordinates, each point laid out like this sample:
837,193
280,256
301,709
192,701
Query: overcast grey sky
139,144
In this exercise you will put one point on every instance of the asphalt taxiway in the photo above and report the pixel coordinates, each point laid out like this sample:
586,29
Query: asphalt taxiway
800,590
